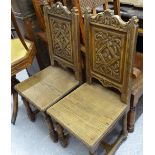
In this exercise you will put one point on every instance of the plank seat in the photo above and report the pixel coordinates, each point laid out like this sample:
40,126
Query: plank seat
47,87
88,112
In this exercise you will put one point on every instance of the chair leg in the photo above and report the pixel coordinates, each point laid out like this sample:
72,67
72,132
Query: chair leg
62,138
52,132
132,114
111,149
125,131
15,107
29,111
131,119
14,81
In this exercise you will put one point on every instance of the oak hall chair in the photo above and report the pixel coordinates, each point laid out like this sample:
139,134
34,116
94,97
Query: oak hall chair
38,5
50,85
91,111
22,54
137,77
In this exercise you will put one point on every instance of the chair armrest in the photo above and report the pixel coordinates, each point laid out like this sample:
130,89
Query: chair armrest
136,73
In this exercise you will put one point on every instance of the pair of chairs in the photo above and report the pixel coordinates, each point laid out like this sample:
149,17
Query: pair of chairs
90,110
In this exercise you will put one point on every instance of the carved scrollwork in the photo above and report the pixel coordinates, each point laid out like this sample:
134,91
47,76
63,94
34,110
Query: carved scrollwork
107,54
106,83
59,10
61,36
108,19
111,50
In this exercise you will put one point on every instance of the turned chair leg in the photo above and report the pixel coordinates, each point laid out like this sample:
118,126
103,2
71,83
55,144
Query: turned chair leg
132,114
62,138
14,81
111,148
125,131
15,107
131,119
29,111
52,132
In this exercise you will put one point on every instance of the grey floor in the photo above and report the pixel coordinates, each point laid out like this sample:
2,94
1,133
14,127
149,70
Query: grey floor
29,138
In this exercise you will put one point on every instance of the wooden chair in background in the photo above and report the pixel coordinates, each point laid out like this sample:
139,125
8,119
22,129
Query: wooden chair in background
82,5
41,41
22,54
137,90
137,77
91,111
50,85
38,6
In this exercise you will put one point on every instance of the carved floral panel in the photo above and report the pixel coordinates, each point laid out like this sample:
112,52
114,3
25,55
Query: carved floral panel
108,54
61,35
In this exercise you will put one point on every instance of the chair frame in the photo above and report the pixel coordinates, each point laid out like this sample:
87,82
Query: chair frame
114,27
65,53
27,60
20,65
71,59
125,34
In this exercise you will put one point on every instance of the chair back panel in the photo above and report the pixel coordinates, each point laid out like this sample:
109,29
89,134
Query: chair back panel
98,2
110,48
90,3
62,27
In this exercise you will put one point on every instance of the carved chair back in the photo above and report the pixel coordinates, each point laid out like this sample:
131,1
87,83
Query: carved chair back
62,28
110,49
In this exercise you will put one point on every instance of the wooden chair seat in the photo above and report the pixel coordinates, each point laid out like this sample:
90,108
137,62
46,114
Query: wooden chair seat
18,51
47,87
88,112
